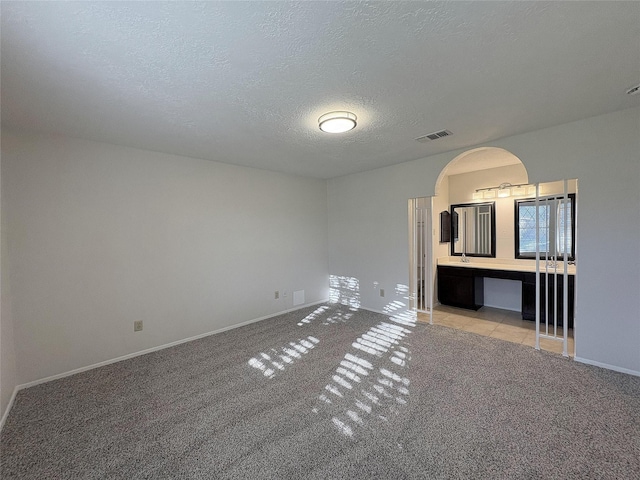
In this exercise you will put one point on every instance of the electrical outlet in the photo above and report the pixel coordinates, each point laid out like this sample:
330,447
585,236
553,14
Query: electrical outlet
382,292
276,295
137,326
284,294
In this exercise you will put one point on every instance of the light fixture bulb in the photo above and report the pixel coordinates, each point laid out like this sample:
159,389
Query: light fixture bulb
504,192
489,194
518,190
337,122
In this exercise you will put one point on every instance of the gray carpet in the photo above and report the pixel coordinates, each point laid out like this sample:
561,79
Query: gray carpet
330,394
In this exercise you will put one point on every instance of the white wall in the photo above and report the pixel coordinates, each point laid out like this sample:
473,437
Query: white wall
101,235
7,350
368,233
368,224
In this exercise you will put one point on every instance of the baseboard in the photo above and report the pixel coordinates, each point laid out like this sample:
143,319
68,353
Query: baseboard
502,307
160,347
8,409
607,366
577,359
224,329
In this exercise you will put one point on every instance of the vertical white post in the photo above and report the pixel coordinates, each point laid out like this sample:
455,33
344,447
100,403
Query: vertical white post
420,254
555,266
413,281
565,290
547,313
574,239
416,298
537,215
423,254
430,260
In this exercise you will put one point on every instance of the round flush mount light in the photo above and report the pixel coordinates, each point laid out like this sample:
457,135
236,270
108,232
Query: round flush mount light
337,122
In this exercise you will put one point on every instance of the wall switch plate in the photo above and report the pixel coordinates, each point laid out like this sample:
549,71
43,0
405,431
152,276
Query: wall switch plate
137,326
382,292
276,295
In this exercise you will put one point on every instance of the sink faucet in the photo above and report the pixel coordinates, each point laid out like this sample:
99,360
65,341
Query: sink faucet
464,258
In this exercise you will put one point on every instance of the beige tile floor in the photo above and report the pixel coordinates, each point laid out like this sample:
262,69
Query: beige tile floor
493,322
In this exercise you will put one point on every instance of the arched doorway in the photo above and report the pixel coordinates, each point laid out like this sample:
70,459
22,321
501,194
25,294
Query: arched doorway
530,272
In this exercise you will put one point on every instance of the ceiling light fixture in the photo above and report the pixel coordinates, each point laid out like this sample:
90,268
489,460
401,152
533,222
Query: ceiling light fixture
337,122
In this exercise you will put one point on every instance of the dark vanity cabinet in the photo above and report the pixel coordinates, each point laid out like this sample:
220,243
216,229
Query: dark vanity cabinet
529,296
552,292
459,287
463,287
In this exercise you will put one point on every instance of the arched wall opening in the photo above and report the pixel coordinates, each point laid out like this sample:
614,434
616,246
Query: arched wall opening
479,159
496,177
475,169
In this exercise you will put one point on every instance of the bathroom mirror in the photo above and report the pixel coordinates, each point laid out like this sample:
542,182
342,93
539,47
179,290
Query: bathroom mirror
473,229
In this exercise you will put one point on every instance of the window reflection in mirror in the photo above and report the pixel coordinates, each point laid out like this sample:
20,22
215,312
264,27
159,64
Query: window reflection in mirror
473,228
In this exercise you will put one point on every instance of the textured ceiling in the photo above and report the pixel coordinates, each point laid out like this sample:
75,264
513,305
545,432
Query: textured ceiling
245,82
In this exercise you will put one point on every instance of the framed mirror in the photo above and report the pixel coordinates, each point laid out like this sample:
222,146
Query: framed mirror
473,229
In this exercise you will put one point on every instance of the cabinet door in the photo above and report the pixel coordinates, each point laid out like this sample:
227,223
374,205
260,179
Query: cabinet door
459,288
529,299
556,298
455,290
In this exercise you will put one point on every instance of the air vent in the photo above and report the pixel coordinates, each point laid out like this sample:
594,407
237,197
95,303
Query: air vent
633,90
434,136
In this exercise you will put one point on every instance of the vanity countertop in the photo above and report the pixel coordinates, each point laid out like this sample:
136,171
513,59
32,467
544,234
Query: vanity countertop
503,264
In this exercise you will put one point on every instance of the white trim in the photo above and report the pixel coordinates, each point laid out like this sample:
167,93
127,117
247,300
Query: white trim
8,409
502,307
160,347
142,352
248,322
607,366
577,359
